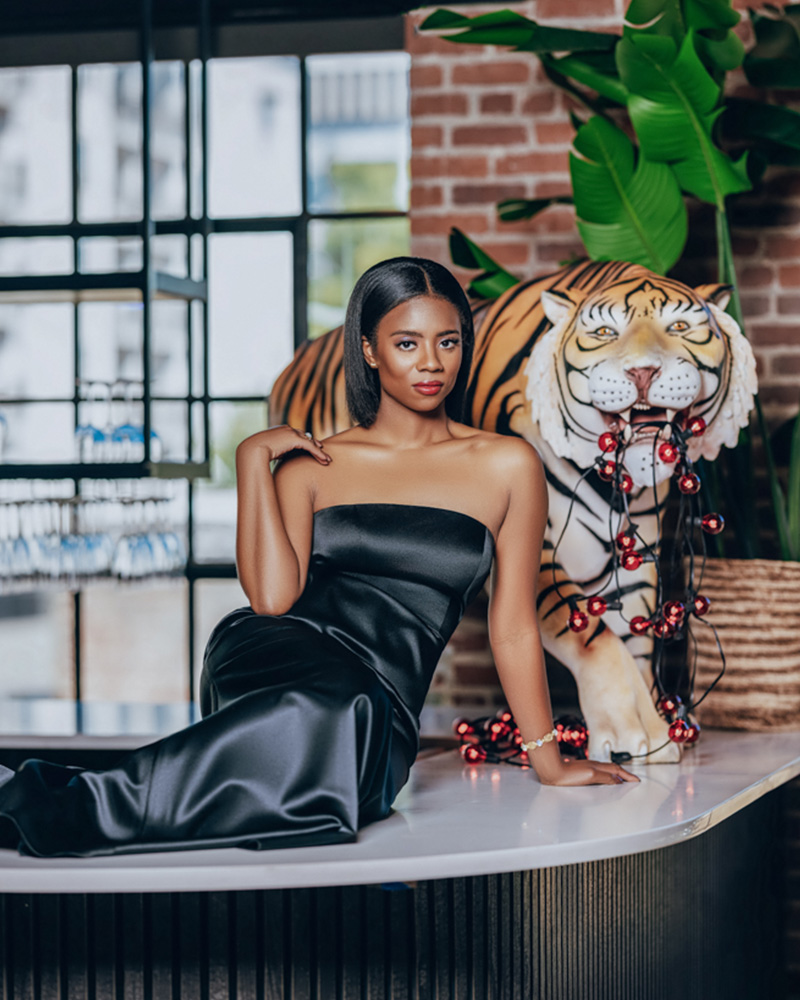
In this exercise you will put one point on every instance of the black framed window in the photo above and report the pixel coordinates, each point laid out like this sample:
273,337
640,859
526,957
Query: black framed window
307,185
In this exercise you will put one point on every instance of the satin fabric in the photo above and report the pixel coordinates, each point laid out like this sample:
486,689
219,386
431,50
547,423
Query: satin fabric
310,719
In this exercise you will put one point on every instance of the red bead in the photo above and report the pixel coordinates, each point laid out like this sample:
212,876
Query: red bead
630,560
578,621
668,704
473,754
504,715
694,734
596,605
678,731
663,629
674,611
606,471
498,730
463,727
626,540
689,483
712,523
625,483
696,426
667,452
572,732
639,625
700,605
607,441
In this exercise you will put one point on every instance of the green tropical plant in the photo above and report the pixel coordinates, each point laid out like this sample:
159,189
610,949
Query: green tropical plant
662,79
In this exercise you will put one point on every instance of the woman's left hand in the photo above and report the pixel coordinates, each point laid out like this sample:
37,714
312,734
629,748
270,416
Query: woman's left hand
589,772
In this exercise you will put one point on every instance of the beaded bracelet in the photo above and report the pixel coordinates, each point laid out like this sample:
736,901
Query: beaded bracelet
537,743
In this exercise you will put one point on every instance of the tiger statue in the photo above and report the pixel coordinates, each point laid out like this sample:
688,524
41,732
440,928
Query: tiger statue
558,360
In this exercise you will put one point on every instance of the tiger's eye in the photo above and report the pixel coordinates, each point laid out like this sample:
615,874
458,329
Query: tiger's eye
679,326
605,331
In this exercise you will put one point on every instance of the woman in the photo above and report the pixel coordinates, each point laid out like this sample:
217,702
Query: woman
358,556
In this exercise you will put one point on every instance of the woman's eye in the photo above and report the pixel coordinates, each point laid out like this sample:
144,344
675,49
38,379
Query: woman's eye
451,342
406,343
678,327
604,331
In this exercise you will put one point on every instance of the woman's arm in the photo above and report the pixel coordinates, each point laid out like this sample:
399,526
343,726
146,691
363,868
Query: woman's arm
274,517
513,625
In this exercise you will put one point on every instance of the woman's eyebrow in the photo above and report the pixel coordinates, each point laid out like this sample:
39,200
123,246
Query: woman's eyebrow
416,333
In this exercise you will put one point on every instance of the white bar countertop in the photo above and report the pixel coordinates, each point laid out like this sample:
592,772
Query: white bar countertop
454,819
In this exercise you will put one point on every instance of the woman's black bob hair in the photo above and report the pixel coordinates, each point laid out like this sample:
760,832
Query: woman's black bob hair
378,290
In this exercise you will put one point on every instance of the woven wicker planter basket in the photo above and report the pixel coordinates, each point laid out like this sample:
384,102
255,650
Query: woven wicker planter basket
755,606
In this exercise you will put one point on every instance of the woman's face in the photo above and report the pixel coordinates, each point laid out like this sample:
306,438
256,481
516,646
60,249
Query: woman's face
417,352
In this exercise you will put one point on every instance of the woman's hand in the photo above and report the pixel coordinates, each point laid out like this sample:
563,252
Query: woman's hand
277,441
588,772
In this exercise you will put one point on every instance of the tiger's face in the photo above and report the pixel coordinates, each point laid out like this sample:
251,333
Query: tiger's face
637,357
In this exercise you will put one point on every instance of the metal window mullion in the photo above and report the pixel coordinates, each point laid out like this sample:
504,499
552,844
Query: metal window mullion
147,222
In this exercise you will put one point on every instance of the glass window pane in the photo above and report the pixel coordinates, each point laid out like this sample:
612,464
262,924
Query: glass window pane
250,303
254,134
168,348
358,131
168,141
170,254
170,423
110,142
215,498
35,255
37,637
105,254
35,145
340,251
37,432
110,340
134,643
198,433
213,600
36,351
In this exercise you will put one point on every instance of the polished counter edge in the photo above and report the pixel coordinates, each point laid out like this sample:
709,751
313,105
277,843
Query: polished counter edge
455,820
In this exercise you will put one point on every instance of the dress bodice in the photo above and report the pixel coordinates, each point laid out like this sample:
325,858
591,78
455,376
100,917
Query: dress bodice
390,582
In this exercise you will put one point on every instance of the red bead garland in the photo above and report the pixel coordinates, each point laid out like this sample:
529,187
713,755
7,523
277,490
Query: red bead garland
689,483
606,470
625,483
696,426
639,625
667,452
578,620
668,705
597,605
712,523
631,560
678,731
694,734
626,540
608,441
674,612
700,605
473,754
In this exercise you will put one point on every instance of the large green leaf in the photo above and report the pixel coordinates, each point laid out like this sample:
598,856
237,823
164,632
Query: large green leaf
626,210
719,47
676,17
516,209
774,61
773,129
504,27
673,105
494,279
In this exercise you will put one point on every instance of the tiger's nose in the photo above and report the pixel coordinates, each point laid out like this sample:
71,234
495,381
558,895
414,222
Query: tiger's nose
642,378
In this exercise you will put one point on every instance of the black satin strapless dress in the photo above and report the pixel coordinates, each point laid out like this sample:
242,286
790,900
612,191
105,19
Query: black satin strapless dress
310,719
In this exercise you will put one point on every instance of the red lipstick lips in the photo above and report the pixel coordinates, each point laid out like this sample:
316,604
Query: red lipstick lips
428,388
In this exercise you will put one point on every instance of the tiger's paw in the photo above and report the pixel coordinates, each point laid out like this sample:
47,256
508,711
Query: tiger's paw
646,744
